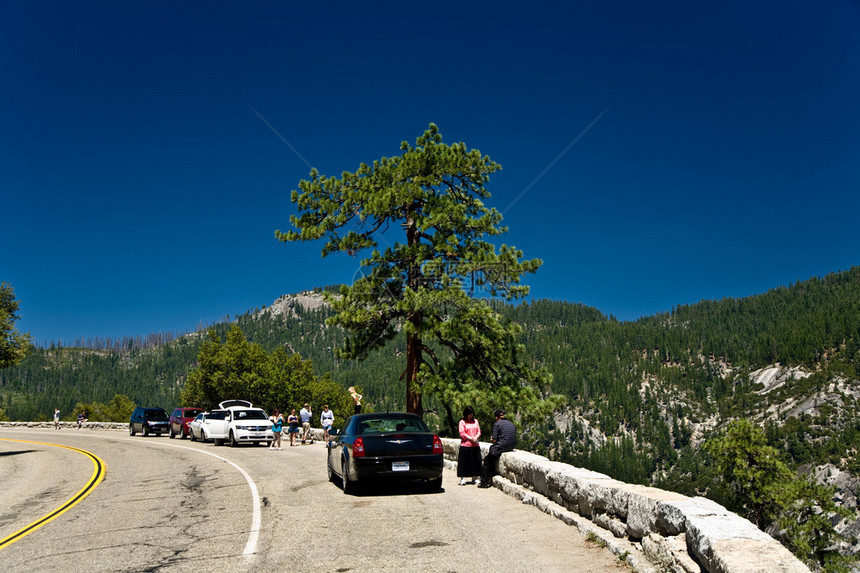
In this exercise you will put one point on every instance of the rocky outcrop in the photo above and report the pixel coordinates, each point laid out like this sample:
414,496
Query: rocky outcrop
847,488
288,304
671,532
775,376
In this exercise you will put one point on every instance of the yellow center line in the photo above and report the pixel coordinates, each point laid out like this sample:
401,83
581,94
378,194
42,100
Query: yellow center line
98,475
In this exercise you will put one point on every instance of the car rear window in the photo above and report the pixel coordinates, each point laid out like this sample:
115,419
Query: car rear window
375,426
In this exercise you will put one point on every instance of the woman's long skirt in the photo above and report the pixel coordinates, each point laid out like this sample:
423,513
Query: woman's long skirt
469,462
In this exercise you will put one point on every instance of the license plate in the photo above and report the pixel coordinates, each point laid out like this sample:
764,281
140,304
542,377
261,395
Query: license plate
259,433
400,466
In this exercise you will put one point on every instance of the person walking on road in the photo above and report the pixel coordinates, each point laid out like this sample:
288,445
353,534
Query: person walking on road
277,427
293,424
56,418
305,414
326,421
469,458
504,439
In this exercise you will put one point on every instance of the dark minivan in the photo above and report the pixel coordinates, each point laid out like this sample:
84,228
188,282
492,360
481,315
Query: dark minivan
148,421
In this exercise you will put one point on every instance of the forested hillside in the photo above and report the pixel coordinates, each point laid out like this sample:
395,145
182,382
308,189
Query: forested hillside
641,395
664,382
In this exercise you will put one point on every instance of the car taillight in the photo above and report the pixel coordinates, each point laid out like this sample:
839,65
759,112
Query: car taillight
437,445
358,448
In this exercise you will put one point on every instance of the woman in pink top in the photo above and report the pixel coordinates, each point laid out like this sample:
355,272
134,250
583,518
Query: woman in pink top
469,458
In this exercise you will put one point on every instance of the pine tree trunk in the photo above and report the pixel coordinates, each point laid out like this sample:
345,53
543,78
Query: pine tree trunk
413,362
413,341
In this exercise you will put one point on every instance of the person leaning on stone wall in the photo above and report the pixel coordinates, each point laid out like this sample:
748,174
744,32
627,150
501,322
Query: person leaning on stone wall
504,439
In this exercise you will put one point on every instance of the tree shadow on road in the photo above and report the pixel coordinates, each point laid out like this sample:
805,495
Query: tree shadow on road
17,452
387,489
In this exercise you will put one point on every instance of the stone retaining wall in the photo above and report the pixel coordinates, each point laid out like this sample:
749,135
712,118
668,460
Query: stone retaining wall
658,523
68,425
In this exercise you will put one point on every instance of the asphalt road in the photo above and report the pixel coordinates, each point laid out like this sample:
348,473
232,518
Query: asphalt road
175,505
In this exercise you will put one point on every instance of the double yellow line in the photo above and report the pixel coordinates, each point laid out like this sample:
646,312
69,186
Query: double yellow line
97,477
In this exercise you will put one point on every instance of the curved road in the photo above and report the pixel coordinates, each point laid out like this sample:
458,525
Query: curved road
184,506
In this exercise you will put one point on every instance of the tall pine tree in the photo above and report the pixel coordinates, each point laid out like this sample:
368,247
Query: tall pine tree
457,346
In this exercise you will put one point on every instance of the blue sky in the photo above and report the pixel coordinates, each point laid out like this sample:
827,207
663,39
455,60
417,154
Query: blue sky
148,150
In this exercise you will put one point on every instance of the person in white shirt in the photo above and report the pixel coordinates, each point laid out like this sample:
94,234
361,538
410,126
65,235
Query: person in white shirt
305,415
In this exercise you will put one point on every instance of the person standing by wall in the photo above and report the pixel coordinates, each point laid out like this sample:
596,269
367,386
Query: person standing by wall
469,458
504,439
326,421
305,414
56,418
277,428
356,397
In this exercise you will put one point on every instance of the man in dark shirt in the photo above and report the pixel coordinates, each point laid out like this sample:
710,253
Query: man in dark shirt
504,439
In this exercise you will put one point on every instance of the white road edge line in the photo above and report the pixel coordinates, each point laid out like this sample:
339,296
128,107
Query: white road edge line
256,513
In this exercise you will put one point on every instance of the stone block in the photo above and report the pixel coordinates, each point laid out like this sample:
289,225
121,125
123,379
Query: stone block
672,514
669,554
606,521
642,508
723,542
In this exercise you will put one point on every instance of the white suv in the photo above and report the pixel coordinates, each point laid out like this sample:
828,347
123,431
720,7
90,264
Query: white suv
237,421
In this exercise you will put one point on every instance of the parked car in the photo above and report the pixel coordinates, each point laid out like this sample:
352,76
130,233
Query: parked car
195,427
211,422
373,448
179,420
148,421
239,422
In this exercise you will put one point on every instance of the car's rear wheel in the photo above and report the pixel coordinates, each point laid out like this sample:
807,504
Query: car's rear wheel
331,475
348,486
434,484
171,434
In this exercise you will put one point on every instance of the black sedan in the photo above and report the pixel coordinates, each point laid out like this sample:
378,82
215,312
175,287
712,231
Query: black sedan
373,448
